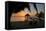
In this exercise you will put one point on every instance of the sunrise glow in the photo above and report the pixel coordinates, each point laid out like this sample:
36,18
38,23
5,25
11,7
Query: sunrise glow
20,16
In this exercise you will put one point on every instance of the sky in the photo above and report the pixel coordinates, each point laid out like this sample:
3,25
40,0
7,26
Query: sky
32,12
40,7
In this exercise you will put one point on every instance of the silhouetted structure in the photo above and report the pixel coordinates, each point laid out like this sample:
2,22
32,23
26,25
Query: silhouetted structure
26,17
